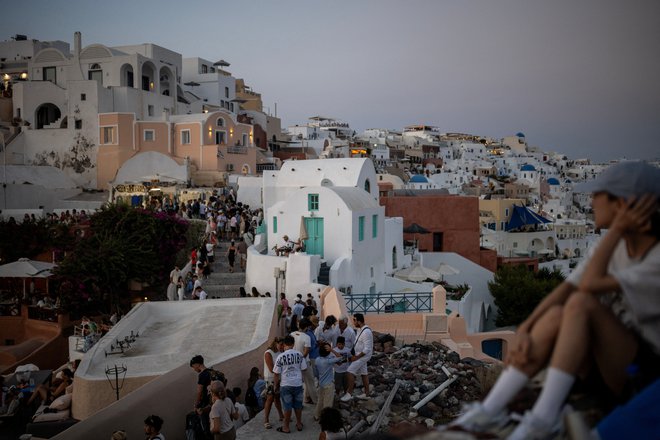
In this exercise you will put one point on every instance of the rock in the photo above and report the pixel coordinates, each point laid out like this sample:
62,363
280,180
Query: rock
453,357
430,423
425,412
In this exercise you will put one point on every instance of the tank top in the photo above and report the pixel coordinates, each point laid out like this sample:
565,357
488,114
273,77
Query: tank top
268,375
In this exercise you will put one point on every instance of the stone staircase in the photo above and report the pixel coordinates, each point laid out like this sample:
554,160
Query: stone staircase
221,283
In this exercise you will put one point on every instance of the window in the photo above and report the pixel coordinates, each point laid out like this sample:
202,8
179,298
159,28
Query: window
313,202
185,137
394,263
374,226
274,225
205,68
220,122
367,186
96,75
83,97
219,137
145,83
515,244
506,212
150,110
361,228
50,74
226,92
108,135
129,78
149,135
245,139
78,124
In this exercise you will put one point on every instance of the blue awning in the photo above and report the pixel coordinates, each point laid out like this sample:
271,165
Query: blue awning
523,216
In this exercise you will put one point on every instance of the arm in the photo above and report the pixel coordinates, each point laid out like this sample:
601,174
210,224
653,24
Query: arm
215,425
269,361
198,397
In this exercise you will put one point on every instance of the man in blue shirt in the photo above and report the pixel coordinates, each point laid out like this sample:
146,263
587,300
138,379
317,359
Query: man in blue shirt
325,372
307,327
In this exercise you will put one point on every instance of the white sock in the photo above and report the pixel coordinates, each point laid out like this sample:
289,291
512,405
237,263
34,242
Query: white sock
557,385
506,387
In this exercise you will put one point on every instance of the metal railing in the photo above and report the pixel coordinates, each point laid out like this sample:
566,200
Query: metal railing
409,302
237,149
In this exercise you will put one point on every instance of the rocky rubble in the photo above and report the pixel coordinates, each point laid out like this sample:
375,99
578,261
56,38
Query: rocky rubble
417,367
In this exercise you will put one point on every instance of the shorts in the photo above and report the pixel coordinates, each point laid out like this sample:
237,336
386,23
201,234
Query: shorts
292,398
358,368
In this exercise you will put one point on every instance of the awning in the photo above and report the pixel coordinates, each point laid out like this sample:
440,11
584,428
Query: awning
523,216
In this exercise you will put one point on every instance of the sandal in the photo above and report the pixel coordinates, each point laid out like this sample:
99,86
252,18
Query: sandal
299,428
279,429
267,425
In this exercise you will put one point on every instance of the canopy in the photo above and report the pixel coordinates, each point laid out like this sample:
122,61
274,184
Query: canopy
445,269
26,268
303,230
417,273
416,229
523,216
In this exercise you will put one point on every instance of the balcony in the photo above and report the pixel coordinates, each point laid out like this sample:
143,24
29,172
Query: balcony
237,149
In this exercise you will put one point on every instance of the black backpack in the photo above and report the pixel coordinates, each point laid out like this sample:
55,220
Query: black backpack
251,398
217,375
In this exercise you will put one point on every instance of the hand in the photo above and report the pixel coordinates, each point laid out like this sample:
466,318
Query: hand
635,215
519,351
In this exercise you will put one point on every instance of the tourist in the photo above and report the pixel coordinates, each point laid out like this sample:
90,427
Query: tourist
311,298
242,252
327,331
332,424
364,347
289,367
303,344
202,400
200,293
241,410
270,355
325,373
308,309
47,394
152,426
342,368
231,255
180,289
284,302
285,248
222,414
255,292
346,332
255,386
241,292
606,314
172,286
297,308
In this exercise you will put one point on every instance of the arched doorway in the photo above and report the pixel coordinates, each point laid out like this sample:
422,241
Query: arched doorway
394,262
46,114
126,73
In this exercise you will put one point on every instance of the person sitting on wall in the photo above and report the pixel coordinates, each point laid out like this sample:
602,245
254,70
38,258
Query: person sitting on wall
286,248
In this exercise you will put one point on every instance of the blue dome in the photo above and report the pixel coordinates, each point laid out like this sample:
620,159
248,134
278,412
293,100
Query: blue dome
520,134
553,181
527,167
418,178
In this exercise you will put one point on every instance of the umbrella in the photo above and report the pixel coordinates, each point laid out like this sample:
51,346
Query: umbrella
303,230
416,229
191,84
445,269
26,268
221,63
417,273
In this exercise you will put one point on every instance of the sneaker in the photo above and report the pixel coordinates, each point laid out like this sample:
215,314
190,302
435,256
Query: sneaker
476,419
532,428
346,397
362,396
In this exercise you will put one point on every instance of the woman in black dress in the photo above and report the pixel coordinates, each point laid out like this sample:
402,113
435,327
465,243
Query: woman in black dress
231,255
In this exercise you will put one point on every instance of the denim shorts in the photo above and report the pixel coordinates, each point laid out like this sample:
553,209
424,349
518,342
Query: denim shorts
292,397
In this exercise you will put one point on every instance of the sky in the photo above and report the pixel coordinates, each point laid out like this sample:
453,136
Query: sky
579,77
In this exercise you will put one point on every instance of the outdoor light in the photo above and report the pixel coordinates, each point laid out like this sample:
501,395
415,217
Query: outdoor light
151,85
231,132
6,77
145,298
24,75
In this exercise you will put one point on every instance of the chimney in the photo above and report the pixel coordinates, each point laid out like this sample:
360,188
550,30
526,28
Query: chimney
77,38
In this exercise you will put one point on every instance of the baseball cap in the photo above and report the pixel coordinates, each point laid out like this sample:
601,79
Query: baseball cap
625,179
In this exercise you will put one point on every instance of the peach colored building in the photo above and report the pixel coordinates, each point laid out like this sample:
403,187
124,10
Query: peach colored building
214,143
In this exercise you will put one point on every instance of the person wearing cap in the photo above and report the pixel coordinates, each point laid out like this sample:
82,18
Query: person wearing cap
286,248
152,426
605,315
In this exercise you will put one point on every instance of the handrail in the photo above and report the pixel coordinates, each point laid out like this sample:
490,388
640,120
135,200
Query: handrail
408,302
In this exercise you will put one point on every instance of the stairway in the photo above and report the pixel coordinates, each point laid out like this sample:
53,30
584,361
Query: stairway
324,274
221,283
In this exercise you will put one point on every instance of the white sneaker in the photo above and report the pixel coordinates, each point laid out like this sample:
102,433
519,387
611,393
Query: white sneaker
362,396
532,428
476,419
346,397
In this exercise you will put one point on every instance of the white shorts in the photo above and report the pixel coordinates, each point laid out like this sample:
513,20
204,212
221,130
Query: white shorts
358,368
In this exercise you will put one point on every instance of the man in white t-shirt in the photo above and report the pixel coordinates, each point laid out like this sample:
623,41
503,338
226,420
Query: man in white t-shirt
303,343
288,369
364,348
346,331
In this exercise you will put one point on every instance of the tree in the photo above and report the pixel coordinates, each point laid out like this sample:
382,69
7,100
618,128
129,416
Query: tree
125,244
517,291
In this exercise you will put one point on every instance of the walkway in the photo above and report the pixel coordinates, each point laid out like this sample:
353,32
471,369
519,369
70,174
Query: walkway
254,429
221,283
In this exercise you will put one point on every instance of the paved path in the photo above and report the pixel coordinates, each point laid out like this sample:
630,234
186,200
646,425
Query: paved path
254,429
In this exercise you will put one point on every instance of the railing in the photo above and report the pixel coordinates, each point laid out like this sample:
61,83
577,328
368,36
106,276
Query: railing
10,309
237,149
409,302
42,314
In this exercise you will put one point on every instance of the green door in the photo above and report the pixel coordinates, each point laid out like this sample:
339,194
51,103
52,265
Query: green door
314,244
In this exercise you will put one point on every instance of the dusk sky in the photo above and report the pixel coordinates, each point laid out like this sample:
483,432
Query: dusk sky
577,77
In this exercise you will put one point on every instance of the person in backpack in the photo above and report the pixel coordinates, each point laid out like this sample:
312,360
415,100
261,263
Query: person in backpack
255,386
202,404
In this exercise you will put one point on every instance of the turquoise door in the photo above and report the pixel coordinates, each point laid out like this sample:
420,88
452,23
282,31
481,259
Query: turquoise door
314,244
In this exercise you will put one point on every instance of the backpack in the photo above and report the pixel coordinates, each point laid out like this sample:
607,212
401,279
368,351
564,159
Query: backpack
217,375
251,398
